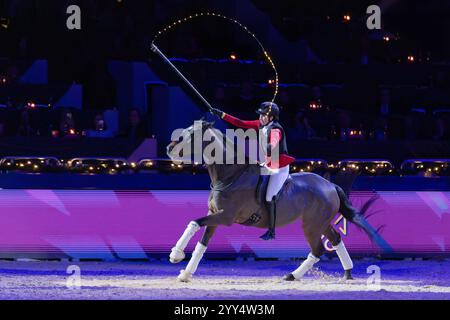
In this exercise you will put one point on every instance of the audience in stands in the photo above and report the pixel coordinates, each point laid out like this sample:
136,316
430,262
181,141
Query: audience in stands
124,30
302,129
101,129
410,127
385,103
2,129
247,98
440,129
343,125
316,95
285,101
220,99
380,131
100,124
136,127
67,124
25,127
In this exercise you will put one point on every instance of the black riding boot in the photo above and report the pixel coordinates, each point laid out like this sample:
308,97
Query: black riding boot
270,234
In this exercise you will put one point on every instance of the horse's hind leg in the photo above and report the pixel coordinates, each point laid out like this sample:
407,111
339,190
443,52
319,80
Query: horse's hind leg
313,237
338,245
197,255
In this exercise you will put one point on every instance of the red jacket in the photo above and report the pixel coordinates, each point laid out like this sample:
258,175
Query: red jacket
275,137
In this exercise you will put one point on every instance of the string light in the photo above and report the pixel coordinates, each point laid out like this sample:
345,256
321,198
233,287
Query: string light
233,57
236,22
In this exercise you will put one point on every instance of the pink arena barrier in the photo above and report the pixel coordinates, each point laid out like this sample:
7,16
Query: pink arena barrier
93,224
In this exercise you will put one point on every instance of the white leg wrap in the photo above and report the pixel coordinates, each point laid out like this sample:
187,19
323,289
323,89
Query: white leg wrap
305,266
186,275
197,255
177,254
191,229
343,255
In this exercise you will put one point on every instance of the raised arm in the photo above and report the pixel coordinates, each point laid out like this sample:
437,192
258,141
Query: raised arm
255,124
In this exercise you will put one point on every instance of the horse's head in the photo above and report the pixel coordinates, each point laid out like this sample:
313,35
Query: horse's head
185,142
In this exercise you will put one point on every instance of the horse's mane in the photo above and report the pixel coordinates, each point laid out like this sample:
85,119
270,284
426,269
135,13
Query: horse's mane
227,142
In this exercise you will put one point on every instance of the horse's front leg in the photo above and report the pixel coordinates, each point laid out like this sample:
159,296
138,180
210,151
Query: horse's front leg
177,255
212,220
197,255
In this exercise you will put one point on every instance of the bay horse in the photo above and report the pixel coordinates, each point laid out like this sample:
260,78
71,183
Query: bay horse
233,199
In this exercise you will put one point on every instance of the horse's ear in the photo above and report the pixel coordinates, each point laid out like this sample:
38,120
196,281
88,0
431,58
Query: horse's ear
209,125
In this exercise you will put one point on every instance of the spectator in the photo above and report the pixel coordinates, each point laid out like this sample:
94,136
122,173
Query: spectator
302,130
287,106
2,129
385,103
440,129
9,103
410,128
67,124
13,74
100,124
219,98
25,128
317,100
247,91
193,49
365,49
316,94
100,128
380,132
136,127
343,125
286,101
246,98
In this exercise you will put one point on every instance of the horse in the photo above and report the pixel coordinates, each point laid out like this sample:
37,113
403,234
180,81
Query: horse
233,200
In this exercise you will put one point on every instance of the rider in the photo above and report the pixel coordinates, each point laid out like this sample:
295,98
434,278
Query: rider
273,132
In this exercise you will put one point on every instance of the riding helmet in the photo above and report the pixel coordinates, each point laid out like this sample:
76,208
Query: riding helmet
270,109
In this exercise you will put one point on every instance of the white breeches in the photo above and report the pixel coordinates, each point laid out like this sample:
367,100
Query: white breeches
277,179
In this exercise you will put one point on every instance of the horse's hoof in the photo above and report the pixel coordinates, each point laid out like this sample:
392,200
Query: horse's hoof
289,277
269,235
348,275
184,276
177,255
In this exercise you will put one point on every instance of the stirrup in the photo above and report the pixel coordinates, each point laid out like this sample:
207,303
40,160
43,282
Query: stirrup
269,235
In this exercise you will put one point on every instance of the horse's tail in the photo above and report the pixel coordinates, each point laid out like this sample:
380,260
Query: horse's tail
357,217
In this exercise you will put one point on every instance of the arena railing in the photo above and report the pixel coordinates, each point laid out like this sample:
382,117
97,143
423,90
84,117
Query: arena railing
108,165
100,165
31,164
369,167
309,165
426,167
163,165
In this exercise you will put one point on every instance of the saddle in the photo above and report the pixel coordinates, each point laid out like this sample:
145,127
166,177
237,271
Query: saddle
261,189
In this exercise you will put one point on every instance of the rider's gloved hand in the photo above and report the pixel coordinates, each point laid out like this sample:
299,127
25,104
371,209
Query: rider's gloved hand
217,112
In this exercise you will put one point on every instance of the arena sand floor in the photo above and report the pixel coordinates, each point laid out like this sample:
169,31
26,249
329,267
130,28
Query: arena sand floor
229,279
